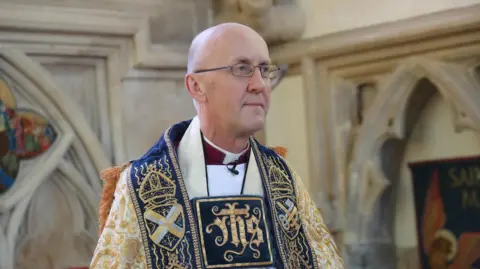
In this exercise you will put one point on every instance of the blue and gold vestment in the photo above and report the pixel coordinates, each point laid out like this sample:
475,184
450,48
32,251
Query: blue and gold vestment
155,219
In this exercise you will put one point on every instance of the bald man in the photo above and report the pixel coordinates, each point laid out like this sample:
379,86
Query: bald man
207,194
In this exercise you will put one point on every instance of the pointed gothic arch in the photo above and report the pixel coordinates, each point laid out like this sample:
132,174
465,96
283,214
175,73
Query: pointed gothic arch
63,179
388,120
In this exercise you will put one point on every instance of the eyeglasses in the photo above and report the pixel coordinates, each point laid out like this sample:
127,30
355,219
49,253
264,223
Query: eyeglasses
270,71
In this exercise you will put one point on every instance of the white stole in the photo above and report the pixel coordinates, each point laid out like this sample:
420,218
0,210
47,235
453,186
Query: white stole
192,165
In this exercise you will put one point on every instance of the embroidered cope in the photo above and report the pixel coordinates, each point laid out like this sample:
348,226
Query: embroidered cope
127,241
120,243
324,246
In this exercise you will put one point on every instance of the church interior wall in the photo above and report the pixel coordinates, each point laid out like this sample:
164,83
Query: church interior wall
128,87
161,103
433,137
124,91
362,68
329,17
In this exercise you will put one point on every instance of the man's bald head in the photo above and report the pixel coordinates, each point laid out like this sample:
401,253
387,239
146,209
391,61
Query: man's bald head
206,43
226,100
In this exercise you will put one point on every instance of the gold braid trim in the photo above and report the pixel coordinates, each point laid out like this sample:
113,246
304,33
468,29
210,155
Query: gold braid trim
110,177
282,151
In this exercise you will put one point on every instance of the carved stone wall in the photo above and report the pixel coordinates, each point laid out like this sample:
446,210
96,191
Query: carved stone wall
115,75
96,74
389,122
278,21
49,160
101,53
372,84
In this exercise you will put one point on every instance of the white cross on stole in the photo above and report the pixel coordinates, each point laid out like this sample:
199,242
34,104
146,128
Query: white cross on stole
165,224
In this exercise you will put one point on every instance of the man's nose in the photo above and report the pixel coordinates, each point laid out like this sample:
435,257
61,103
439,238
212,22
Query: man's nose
256,82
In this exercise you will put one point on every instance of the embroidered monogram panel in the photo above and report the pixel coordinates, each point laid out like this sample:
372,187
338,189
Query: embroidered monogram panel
233,232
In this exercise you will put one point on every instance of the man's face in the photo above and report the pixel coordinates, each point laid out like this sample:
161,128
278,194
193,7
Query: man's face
238,103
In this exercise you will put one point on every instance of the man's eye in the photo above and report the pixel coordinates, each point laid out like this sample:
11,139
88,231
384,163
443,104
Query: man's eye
265,68
243,67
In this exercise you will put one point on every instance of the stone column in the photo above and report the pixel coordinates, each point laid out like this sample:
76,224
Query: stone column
370,243
265,16
370,255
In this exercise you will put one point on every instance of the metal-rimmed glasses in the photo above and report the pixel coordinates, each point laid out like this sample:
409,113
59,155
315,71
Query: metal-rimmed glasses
270,71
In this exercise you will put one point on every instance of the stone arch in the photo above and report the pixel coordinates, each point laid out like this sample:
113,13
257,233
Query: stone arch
62,180
387,126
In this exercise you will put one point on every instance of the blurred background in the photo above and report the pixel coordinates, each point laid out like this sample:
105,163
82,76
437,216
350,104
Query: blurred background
379,111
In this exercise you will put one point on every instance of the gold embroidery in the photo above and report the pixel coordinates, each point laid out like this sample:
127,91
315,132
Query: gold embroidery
130,249
288,222
237,218
289,218
166,225
136,206
323,247
188,208
174,262
284,199
119,245
269,192
163,220
163,215
322,242
238,228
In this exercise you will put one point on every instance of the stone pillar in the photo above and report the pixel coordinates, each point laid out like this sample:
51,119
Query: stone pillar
370,255
264,16
370,243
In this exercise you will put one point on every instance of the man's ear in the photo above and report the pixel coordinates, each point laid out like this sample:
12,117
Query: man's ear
194,88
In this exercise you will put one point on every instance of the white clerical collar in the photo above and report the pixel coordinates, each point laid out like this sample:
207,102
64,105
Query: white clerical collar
192,165
229,156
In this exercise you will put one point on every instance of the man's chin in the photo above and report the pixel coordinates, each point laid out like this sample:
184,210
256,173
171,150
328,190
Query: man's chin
256,124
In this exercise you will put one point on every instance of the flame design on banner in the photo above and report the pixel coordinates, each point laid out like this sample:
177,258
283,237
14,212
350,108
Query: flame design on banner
442,246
